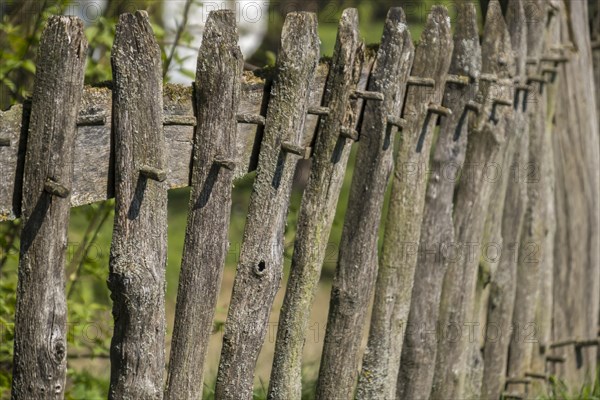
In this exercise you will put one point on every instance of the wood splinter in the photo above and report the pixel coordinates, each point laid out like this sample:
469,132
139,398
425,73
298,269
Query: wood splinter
292,148
255,119
155,174
367,95
56,189
225,162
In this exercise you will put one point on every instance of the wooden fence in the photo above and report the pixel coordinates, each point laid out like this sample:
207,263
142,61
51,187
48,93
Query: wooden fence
488,281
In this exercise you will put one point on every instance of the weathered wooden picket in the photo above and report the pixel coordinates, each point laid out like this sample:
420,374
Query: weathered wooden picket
448,320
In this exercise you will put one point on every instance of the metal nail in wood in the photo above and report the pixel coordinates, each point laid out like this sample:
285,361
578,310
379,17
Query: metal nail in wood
461,80
255,119
97,119
474,106
320,111
502,102
555,359
185,120
292,148
225,162
488,78
439,110
417,81
349,133
154,174
518,381
536,375
367,95
515,396
398,122
56,189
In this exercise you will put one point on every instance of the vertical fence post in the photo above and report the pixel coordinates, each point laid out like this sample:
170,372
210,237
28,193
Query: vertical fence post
535,262
576,147
40,359
486,138
217,96
505,222
139,244
403,223
260,268
437,231
317,211
357,266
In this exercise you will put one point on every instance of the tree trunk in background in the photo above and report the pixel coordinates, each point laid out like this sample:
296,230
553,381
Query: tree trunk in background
576,150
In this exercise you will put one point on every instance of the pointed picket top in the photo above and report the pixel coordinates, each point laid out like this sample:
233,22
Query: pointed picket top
217,98
466,57
497,44
422,109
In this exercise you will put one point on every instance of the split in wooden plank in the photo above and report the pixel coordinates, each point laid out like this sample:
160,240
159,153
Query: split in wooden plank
437,231
317,210
220,65
138,253
355,275
40,349
381,364
260,266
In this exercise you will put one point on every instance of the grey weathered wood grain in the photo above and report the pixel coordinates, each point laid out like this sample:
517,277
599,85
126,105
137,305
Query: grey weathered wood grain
381,362
220,65
486,138
12,158
317,210
437,231
40,352
93,172
260,267
505,221
357,265
138,252
536,258
577,256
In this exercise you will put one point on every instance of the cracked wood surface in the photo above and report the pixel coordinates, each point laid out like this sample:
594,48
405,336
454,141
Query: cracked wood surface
437,232
319,203
393,289
93,156
355,275
260,267
138,253
486,138
220,64
40,352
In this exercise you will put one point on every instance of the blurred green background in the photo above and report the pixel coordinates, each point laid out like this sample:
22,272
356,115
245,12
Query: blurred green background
90,328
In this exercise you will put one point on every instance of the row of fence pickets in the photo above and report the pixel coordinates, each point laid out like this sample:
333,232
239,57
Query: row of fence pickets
93,180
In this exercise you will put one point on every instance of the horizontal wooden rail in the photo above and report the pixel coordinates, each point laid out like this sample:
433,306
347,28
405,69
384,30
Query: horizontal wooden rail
93,178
